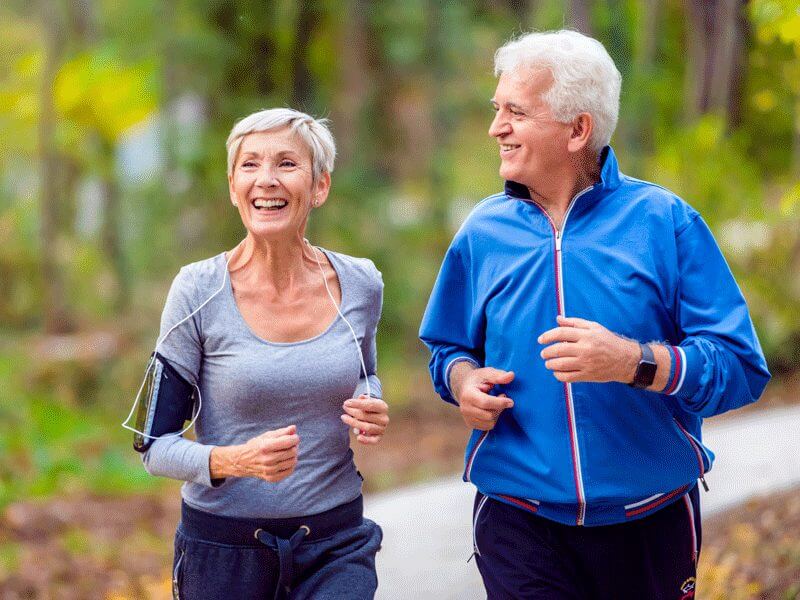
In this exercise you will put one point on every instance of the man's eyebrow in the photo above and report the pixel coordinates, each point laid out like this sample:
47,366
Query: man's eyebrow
508,105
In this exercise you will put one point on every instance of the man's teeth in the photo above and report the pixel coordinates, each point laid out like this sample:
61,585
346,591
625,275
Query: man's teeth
269,203
507,147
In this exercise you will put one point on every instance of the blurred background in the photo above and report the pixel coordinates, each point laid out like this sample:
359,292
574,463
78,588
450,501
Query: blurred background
113,118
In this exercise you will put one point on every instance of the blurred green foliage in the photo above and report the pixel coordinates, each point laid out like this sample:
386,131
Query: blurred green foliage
143,95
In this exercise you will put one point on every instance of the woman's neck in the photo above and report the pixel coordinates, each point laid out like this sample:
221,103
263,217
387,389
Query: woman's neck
283,265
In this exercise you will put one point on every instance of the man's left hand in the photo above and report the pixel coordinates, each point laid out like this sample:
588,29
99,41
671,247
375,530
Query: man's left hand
581,350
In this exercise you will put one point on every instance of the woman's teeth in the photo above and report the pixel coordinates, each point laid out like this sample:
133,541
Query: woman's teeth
269,204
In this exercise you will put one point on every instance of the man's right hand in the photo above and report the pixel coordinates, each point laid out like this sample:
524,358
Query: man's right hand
471,387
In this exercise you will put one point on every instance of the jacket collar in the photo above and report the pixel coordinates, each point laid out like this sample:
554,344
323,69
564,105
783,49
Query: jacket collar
610,177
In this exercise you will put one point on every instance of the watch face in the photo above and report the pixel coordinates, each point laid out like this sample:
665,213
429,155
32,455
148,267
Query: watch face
646,373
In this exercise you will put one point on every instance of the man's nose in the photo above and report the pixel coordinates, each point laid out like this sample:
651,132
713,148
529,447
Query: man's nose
499,125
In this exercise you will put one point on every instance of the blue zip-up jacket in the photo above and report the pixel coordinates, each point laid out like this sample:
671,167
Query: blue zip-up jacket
637,259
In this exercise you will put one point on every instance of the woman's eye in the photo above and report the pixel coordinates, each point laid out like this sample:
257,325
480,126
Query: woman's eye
248,163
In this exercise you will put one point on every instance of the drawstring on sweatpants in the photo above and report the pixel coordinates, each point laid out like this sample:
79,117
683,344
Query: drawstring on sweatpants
285,548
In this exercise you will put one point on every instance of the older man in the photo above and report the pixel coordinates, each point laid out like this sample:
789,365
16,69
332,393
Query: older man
585,323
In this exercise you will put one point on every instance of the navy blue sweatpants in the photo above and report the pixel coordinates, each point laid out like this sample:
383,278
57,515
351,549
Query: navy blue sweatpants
330,555
521,555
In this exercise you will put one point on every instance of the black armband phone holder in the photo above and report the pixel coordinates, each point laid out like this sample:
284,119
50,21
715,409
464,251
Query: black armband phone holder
167,403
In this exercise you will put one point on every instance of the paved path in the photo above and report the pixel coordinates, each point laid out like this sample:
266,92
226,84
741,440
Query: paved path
427,528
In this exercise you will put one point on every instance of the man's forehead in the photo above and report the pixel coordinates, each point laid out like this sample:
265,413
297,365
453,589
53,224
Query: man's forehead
523,85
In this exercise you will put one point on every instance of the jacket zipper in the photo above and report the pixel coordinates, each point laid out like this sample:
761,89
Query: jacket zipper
697,452
471,460
573,429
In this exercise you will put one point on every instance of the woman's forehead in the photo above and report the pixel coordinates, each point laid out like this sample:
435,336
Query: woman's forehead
273,142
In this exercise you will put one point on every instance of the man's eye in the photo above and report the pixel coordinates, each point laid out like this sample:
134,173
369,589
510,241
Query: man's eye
288,163
517,113
248,163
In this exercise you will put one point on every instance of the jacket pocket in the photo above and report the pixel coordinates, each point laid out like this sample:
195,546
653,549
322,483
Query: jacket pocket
652,502
703,459
176,576
478,509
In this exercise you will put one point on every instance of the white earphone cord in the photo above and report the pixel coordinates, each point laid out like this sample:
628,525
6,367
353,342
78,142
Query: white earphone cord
352,331
196,387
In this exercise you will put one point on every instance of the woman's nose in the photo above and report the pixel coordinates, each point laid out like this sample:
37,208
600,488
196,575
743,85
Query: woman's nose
266,177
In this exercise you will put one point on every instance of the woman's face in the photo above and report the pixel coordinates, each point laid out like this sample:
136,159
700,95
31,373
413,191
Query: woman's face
271,183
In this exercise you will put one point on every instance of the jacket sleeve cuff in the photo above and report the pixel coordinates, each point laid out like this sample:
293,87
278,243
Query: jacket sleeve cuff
453,361
203,468
375,387
688,369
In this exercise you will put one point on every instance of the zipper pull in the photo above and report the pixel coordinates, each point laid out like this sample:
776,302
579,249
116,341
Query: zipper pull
703,481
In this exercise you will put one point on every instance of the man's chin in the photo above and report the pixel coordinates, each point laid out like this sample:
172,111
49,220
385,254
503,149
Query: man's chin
509,173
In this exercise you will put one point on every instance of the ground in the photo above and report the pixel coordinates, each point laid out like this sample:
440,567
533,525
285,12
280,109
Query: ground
105,547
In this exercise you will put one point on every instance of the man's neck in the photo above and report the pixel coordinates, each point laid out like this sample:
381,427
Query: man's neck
557,197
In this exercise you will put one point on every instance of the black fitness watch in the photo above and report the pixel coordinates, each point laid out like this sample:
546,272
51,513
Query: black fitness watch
646,369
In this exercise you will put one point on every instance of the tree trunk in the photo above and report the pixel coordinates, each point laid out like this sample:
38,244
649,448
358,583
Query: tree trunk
579,11
646,48
110,233
442,112
355,81
796,141
716,37
169,87
521,9
56,318
302,81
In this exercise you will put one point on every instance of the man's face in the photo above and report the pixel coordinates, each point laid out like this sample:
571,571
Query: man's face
533,146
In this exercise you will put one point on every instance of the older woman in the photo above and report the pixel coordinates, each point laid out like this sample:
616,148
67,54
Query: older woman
282,352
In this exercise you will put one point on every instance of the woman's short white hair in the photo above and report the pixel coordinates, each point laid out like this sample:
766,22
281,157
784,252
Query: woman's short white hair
314,133
585,77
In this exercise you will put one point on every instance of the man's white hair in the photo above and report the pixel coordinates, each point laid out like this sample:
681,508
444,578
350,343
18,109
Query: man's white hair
585,78
314,133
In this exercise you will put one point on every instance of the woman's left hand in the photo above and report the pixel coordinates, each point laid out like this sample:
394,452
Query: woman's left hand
367,416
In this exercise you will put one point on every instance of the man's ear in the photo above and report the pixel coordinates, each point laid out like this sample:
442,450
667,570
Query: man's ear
581,131
321,189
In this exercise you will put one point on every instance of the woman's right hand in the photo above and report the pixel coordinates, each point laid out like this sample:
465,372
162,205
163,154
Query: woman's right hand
271,456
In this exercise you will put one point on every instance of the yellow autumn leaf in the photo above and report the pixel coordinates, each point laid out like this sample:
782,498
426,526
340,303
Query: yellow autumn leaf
789,29
97,92
790,202
764,100
30,64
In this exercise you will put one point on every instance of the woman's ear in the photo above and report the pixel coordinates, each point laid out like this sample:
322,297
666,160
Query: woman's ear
581,132
230,190
321,189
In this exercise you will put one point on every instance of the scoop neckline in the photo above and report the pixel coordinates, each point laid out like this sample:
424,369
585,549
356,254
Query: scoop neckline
330,326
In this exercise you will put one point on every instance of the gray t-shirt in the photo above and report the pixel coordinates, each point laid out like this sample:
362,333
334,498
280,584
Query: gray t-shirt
250,385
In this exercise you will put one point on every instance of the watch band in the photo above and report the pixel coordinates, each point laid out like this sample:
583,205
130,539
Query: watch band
646,369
